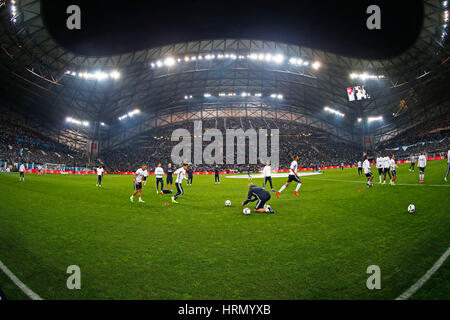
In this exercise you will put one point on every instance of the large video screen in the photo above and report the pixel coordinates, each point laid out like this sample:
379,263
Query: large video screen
357,93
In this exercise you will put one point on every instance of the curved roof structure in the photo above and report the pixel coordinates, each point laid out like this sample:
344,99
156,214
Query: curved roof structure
223,76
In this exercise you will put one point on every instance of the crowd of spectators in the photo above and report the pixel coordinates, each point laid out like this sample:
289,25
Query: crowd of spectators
315,147
19,144
431,137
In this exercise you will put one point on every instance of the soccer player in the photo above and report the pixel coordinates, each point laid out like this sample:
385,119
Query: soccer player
22,173
99,176
367,172
181,174
379,165
386,166
260,194
267,172
292,177
448,163
139,176
159,174
342,166
360,168
413,163
217,175
169,178
422,162
190,173
394,173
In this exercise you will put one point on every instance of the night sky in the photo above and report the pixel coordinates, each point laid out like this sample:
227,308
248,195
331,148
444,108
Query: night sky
114,27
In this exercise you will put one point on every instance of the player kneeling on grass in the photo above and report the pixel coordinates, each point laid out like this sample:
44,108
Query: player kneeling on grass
260,194
181,175
138,177
368,173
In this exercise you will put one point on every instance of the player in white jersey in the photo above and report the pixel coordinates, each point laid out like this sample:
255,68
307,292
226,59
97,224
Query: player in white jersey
267,172
359,168
413,163
181,175
22,173
393,170
367,172
292,177
99,176
379,166
448,163
139,177
422,163
159,174
386,170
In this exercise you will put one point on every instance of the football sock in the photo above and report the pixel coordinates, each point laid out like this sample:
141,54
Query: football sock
298,186
282,188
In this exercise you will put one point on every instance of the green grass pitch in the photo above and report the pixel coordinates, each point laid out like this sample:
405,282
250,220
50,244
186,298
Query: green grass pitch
317,246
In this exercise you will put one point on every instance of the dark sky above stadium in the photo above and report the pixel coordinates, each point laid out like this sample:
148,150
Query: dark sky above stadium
114,27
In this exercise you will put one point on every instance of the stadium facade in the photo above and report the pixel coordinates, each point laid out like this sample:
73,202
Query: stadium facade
78,99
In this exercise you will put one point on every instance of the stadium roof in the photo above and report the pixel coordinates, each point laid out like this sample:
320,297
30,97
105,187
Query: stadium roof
45,79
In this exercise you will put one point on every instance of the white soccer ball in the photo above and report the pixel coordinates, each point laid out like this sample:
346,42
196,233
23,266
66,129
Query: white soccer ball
411,208
228,203
246,211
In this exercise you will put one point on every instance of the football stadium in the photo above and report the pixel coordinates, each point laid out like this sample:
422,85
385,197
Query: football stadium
222,168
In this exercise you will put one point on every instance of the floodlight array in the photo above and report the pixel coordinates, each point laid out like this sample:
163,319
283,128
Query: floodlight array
234,94
276,58
78,122
130,114
365,76
97,75
336,112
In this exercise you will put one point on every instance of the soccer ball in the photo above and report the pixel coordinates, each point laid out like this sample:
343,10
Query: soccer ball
228,203
246,211
411,208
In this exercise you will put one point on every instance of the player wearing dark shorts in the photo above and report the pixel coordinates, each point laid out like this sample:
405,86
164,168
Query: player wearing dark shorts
169,178
217,175
190,173
256,193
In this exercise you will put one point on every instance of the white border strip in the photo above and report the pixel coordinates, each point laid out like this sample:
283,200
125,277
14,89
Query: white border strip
22,286
416,286
376,183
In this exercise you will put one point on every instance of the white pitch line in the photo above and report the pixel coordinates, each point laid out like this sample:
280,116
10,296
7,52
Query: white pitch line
22,286
416,286
397,184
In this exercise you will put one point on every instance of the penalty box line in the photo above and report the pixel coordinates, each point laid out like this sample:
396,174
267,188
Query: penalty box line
22,286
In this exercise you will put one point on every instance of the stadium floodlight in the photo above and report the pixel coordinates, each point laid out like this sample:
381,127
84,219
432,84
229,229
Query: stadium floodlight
446,15
365,76
258,94
78,122
130,114
115,75
359,119
372,119
207,95
169,61
102,124
336,112
316,65
279,58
